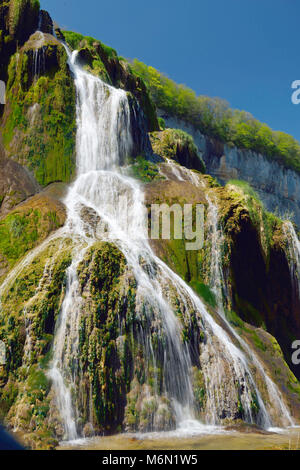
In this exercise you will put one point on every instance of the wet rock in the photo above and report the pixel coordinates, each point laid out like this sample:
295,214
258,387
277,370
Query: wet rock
179,146
46,23
88,430
16,185
277,186
18,20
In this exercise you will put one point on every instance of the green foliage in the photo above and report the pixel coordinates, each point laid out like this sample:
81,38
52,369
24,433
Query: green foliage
245,188
37,380
171,139
18,234
144,170
264,221
179,146
234,319
17,11
43,114
254,403
76,41
213,117
205,292
162,124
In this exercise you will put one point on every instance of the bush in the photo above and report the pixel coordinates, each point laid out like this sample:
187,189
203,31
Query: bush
214,117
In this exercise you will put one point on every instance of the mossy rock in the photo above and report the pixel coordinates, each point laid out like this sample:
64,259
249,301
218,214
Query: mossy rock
39,122
104,62
27,226
177,145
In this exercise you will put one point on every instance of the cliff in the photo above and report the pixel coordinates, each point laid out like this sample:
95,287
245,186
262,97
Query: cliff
135,313
277,186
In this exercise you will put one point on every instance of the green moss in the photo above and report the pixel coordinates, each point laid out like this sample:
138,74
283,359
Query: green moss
199,389
265,222
162,124
254,404
204,292
35,295
177,145
77,41
24,228
144,170
42,114
17,10
18,234
234,319
258,342
213,117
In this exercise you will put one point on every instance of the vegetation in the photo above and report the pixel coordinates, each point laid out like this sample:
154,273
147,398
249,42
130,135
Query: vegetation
17,11
25,227
77,41
214,117
34,296
41,113
205,293
144,170
265,222
104,62
177,145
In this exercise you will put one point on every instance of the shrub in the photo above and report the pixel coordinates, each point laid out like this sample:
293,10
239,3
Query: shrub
214,117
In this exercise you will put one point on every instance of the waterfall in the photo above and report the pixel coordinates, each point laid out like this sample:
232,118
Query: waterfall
217,281
218,286
103,143
293,247
39,58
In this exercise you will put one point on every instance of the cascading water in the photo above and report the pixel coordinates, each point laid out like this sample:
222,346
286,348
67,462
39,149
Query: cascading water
39,59
103,143
218,286
293,247
117,201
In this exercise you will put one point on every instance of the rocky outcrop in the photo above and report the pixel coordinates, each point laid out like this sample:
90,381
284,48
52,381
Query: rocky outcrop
45,22
16,185
104,62
259,283
28,225
39,120
259,288
18,20
118,386
277,186
179,146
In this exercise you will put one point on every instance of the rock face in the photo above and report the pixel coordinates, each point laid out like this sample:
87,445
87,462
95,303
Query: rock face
278,187
46,23
104,62
38,123
260,284
16,185
179,146
18,20
27,225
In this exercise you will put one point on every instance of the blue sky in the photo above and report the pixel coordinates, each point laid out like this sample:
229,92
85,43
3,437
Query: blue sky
245,51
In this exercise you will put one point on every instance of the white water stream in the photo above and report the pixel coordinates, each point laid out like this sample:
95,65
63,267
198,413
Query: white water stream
103,143
117,202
